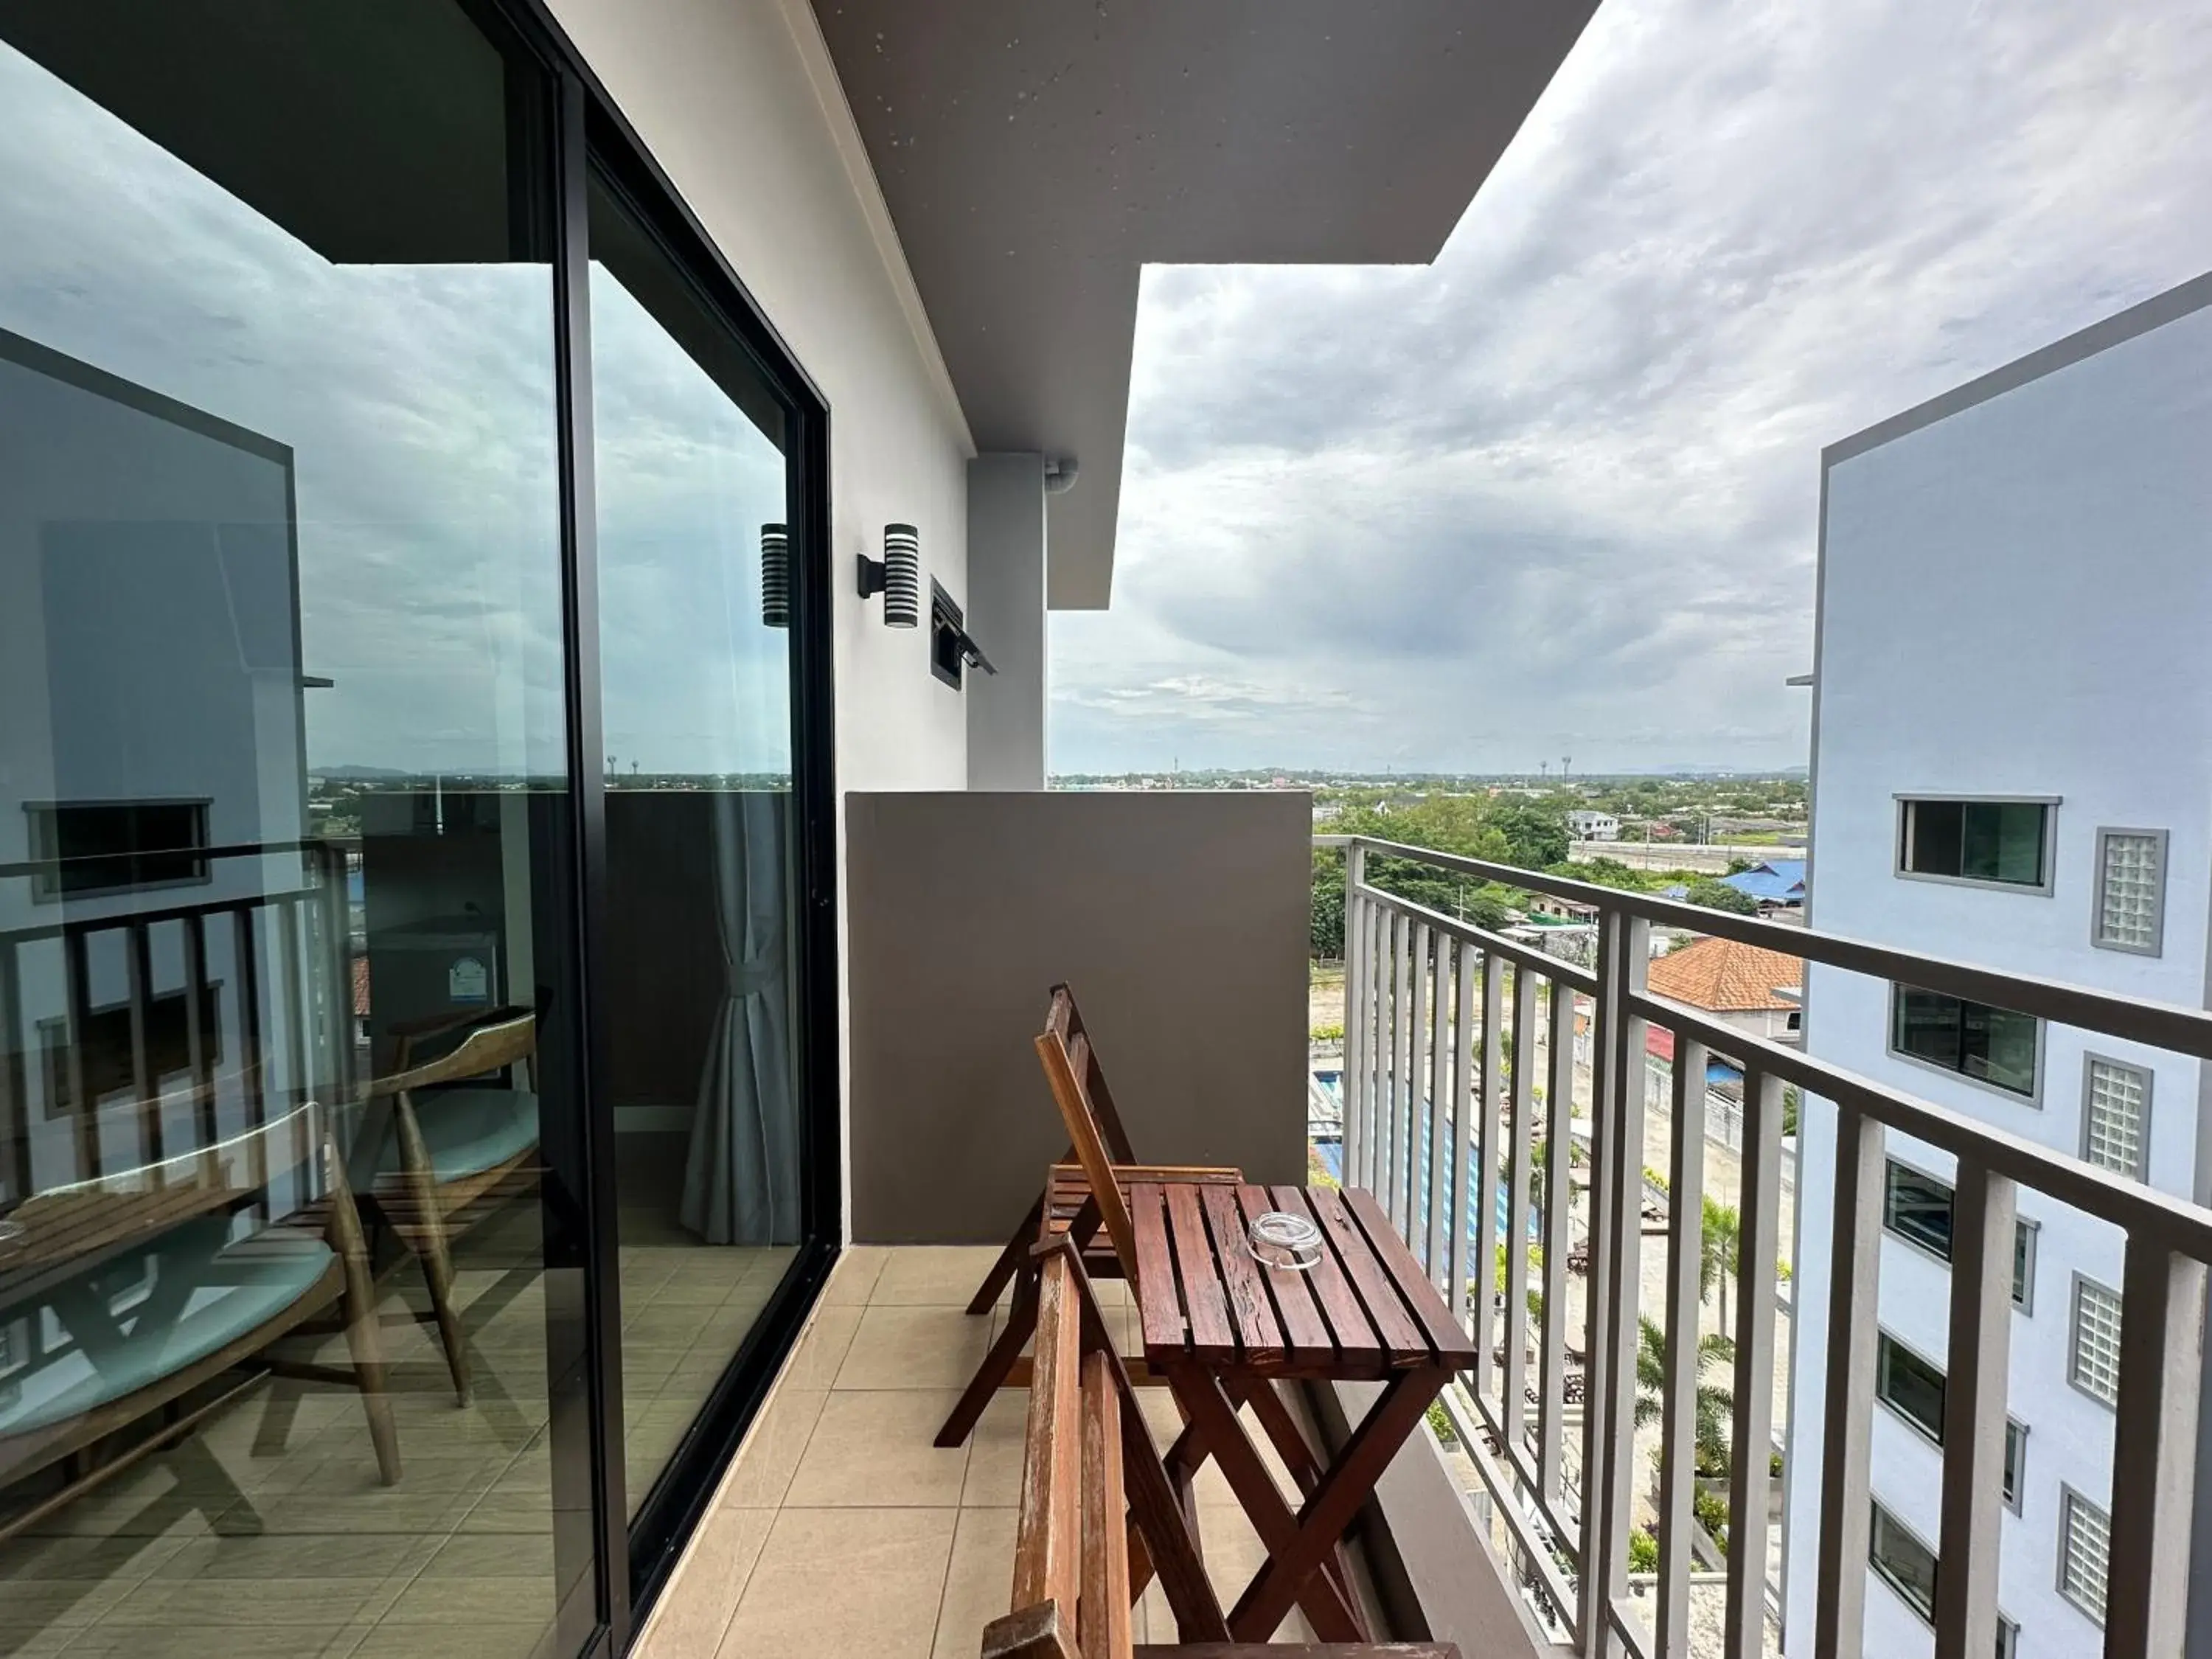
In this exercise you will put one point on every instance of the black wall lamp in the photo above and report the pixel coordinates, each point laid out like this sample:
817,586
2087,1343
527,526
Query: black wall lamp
897,576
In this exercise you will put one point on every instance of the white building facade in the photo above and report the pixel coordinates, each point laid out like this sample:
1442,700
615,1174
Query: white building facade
2012,766
1594,826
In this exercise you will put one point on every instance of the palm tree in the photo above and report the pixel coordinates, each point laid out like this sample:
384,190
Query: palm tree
1715,1408
1718,1244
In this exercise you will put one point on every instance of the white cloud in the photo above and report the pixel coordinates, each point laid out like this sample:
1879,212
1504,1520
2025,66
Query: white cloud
1558,493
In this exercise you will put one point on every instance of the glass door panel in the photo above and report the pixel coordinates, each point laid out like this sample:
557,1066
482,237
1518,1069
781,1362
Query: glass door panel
693,479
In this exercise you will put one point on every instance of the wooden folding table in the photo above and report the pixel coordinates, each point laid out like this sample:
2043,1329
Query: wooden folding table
1222,1327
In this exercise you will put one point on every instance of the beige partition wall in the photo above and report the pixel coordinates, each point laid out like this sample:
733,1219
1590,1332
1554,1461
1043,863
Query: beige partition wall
1179,919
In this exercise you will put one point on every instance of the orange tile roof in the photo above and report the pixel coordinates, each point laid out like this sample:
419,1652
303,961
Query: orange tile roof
1724,976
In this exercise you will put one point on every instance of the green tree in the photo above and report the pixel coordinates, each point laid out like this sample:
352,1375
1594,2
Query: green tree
1328,923
1535,834
1718,1246
1719,896
1716,1407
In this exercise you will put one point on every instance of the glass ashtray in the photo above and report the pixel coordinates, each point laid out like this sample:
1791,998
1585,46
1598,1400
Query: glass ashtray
1282,1240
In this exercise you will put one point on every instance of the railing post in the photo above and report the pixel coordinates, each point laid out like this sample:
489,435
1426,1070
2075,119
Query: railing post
1608,1451
1483,1200
1401,1001
1461,1118
1352,1095
1436,1249
1678,1443
2155,1450
1982,1219
1559,1243
1417,1088
1523,1099
1847,1412
1759,1249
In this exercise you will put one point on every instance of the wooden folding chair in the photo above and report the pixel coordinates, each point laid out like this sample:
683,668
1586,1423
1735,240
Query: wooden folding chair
1098,1151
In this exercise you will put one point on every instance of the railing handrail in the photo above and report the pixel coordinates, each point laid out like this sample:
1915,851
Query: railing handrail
2137,1019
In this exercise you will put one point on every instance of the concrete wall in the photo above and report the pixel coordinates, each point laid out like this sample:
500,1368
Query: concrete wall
1182,921
2014,589
1006,617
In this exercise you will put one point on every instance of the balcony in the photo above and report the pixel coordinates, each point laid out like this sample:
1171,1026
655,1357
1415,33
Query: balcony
1525,1520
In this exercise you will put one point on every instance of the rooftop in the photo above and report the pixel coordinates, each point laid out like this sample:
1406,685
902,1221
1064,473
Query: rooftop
1724,976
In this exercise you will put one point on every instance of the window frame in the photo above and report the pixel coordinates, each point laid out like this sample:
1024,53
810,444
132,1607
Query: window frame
1882,1512
2097,940
2090,1060
2046,863
2069,1495
2034,1099
2015,1430
2024,1227
2074,1340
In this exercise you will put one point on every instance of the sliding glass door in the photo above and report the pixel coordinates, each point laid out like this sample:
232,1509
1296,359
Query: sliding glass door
694,485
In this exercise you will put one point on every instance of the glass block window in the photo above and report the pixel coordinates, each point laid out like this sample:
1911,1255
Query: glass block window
2095,1363
2130,890
2084,1544
2115,1110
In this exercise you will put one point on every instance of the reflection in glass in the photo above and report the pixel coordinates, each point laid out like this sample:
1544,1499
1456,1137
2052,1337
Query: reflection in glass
281,796
690,470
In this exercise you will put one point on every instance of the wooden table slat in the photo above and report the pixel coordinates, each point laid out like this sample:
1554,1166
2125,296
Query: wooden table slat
1448,1339
1356,1337
1303,1326
1250,1308
1198,1271
1401,1337
1157,1300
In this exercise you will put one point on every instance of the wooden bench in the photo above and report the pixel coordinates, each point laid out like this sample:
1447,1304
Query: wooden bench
1098,1516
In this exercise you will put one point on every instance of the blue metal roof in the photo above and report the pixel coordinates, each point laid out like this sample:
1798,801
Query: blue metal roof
1777,881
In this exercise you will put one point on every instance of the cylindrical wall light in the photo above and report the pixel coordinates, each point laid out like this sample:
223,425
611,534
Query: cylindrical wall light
897,576
775,575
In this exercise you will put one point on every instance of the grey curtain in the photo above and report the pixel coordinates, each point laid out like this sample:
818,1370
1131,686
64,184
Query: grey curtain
741,1173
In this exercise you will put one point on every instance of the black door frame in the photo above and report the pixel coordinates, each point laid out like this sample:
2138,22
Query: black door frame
633,1558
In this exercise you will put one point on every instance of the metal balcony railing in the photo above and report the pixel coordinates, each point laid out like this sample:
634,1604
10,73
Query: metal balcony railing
1437,1010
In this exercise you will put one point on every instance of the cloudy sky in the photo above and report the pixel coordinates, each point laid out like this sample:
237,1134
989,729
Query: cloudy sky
1556,495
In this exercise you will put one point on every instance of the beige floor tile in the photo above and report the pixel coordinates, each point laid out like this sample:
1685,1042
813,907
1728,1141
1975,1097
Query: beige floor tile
814,1362
995,1450
455,1638
503,1599
978,1584
913,1347
274,1557
870,1450
773,1448
216,1602
832,1583
854,1279
943,1275
696,1609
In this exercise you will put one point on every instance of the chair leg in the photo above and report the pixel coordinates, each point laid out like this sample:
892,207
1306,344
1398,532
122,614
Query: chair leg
1010,1259
425,1232
364,1334
991,1376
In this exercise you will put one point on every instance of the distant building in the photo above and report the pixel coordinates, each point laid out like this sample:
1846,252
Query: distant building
2010,766
1754,989
1593,826
1776,883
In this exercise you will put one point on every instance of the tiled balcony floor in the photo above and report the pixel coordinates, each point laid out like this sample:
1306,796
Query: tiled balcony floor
841,1530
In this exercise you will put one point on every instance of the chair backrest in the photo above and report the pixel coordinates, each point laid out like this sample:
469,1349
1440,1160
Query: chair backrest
1071,1591
487,1048
1065,1018
1071,1093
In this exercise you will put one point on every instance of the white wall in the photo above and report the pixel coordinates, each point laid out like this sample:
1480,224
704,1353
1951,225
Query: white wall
738,101
2014,600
